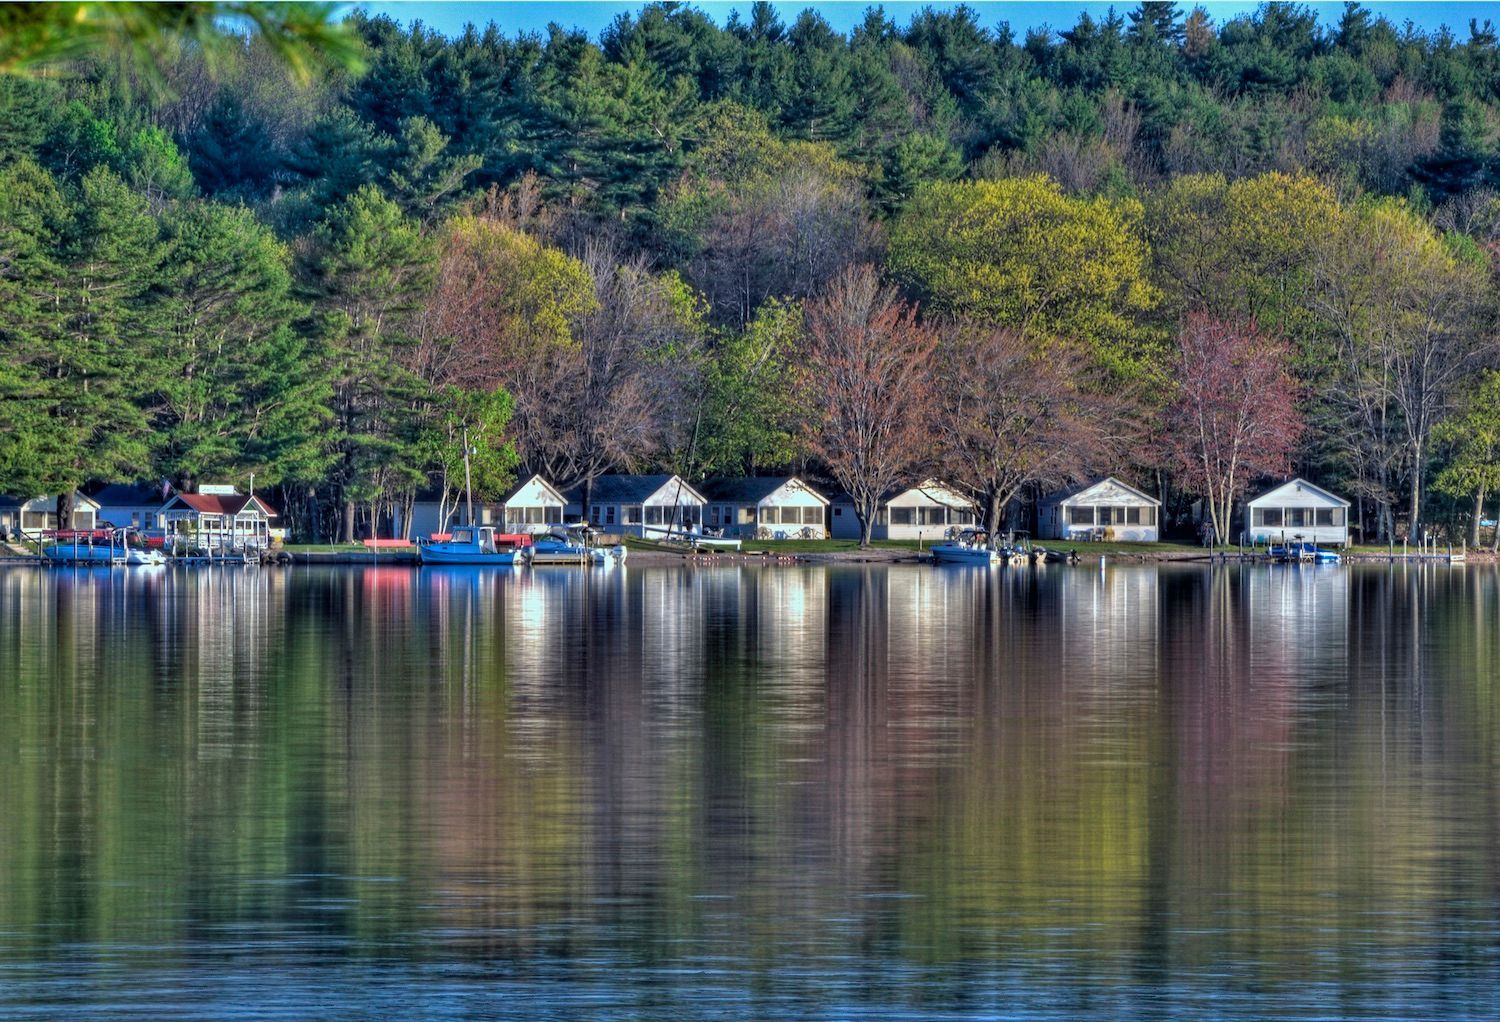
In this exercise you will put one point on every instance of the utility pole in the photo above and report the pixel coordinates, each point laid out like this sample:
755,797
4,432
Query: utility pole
468,485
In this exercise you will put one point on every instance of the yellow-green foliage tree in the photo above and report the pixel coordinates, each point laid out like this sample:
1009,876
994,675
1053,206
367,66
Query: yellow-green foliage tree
502,298
1022,254
1239,249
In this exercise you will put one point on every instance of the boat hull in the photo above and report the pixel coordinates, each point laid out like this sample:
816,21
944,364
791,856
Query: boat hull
964,555
544,552
498,559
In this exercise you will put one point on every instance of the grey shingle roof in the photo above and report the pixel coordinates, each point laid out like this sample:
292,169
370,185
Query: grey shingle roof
743,489
623,489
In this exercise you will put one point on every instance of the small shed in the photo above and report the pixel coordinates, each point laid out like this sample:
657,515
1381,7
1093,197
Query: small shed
925,511
132,505
783,505
641,505
1297,511
1098,510
534,506
31,516
218,520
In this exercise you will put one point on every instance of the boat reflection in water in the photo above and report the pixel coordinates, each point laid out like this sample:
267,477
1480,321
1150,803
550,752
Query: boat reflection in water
796,792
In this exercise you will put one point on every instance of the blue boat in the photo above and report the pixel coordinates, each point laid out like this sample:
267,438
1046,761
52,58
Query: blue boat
1304,552
476,546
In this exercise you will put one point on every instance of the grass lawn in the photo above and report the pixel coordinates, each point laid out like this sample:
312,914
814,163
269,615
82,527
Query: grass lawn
1128,548
347,548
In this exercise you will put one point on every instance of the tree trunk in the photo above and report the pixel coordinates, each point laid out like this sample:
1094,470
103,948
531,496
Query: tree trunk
1495,535
994,511
1478,514
1413,529
866,512
348,522
65,510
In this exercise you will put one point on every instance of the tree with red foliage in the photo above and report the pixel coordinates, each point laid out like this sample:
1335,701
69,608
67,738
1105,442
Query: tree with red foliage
1235,414
868,377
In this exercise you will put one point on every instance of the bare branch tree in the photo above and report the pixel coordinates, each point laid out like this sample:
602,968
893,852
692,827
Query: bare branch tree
868,371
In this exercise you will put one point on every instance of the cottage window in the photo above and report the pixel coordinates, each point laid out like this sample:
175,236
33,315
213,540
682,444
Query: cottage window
838,512
883,516
654,515
1330,517
770,515
594,514
967,517
902,516
633,514
1107,515
609,515
1298,517
1267,517
1080,516
812,516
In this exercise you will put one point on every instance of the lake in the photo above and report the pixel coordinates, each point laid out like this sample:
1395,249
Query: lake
783,792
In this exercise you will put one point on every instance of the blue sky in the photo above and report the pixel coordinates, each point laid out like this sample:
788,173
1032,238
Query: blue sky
450,16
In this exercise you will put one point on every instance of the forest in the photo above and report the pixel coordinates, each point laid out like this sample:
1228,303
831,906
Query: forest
1195,254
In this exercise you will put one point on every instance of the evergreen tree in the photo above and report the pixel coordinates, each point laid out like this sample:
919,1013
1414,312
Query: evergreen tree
365,270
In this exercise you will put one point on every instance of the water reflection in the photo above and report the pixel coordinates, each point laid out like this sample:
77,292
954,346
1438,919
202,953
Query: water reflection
792,791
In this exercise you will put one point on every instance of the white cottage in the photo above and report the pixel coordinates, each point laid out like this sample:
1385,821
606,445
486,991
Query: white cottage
785,506
1099,510
20,516
652,506
534,506
218,518
925,511
1297,511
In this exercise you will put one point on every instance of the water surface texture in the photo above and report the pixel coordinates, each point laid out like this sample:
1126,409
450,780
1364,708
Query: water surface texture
743,793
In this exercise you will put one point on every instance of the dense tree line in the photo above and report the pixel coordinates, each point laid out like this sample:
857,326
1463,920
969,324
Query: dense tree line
1194,252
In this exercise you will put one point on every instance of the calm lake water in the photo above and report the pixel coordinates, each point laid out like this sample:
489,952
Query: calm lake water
780,793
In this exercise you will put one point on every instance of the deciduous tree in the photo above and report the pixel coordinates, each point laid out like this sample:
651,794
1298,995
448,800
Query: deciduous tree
1019,253
1013,411
1235,414
870,389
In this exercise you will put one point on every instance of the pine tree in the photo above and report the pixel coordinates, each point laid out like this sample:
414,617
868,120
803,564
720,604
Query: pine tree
365,269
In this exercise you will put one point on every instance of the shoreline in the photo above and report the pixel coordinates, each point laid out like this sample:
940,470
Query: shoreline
876,555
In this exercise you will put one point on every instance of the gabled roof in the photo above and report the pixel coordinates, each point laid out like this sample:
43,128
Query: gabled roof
751,489
624,489
552,490
131,495
929,488
1068,493
217,504
79,500
1303,484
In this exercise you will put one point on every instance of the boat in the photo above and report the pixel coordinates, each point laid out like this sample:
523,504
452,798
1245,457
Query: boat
571,546
476,546
971,546
97,546
1297,552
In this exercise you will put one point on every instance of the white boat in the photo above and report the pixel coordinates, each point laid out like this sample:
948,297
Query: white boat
571,546
468,545
971,546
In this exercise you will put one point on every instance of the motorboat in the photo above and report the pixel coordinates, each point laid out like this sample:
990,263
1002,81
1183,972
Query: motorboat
1302,551
571,546
97,546
971,546
478,545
